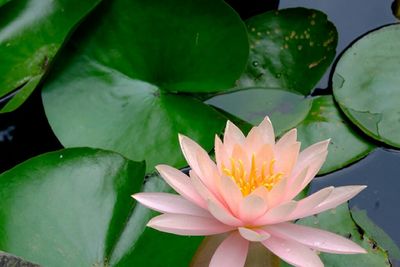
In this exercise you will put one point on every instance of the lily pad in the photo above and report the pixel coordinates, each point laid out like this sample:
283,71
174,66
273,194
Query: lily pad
325,121
290,49
361,218
316,119
339,221
31,33
112,89
73,208
285,109
366,84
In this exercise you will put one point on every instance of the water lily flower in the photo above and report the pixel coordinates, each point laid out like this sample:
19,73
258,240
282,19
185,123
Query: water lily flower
249,193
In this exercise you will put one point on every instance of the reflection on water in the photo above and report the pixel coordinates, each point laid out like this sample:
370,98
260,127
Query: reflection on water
352,18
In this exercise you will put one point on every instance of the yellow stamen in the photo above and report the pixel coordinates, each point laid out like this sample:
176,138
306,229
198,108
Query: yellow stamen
255,178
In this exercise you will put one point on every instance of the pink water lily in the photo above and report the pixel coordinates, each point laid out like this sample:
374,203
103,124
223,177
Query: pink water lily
249,193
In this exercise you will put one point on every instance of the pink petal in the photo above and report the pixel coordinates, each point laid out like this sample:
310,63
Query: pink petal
264,155
253,235
267,131
293,252
231,193
188,225
338,196
201,189
306,206
314,238
277,193
231,253
181,184
295,184
287,139
286,158
238,153
314,167
232,136
221,155
222,214
253,141
191,150
252,207
208,172
307,154
170,203
277,214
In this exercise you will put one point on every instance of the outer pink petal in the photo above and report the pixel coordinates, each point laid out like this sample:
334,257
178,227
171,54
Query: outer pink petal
252,207
170,203
338,196
286,159
181,184
256,235
202,190
231,253
315,238
188,225
277,194
221,155
208,172
278,214
191,150
306,156
222,214
324,199
230,193
314,167
293,252
295,184
267,131
306,206
287,139
232,136
253,141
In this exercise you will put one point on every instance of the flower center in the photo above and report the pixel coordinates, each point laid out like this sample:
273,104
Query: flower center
248,182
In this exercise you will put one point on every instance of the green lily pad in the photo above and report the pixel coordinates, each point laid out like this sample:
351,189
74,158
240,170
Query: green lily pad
285,109
325,121
316,119
31,33
361,218
290,49
111,89
366,84
73,208
339,221
2,2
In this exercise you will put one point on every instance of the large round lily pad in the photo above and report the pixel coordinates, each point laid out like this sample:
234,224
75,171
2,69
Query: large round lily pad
74,208
316,119
366,84
31,33
325,121
112,88
285,109
289,49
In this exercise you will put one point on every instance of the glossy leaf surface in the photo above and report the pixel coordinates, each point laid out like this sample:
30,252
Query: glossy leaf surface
290,49
31,33
325,121
74,208
366,84
112,87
